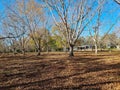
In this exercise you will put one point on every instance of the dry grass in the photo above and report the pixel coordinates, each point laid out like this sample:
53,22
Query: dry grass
57,71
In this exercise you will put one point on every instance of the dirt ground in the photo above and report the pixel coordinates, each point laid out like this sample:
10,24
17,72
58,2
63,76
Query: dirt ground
57,71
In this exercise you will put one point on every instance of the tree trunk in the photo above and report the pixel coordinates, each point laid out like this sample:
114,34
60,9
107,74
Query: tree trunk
14,51
23,52
96,49
71,50
39,52
39,47
64,49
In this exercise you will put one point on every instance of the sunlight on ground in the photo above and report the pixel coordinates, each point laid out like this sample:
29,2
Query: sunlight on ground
58,71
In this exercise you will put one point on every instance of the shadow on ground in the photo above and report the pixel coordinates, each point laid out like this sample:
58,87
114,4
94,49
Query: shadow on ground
59,72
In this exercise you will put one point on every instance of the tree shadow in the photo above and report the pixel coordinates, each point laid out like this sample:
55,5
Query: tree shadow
78,65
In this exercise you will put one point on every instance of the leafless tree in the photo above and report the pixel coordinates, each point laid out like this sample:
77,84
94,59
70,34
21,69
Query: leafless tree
74,16
95,34
27,15
96,30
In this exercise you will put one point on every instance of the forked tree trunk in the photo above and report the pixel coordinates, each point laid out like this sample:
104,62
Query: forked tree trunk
71,50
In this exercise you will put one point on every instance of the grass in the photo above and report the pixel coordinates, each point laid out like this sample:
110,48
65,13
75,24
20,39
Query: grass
57,71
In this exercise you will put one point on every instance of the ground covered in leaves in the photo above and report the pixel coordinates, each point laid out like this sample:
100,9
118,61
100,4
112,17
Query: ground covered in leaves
57,71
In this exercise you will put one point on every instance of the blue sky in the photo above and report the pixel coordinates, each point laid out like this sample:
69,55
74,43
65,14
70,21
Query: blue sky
110,12
1,5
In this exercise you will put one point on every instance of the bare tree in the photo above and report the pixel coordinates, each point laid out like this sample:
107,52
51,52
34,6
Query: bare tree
96,30
74,16
27,16
40,36
14,30
95,34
